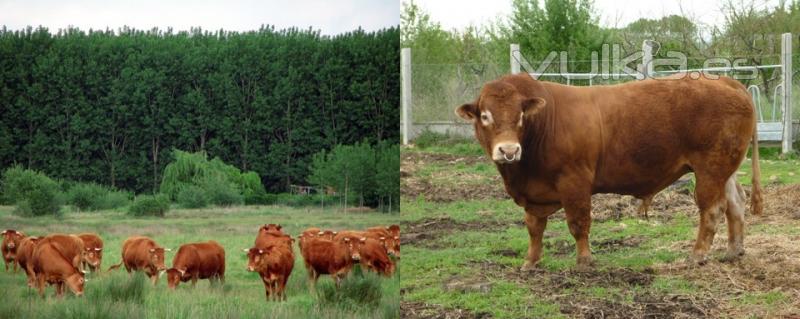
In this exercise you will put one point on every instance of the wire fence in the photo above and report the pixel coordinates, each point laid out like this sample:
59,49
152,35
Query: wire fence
437,89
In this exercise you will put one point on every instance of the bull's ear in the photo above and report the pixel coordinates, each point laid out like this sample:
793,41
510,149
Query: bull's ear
532,106
279,226
468,112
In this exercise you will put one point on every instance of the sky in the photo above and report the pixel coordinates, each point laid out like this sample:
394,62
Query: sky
611,12
330,17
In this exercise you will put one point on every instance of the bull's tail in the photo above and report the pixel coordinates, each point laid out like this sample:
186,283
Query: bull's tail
115,266
756,202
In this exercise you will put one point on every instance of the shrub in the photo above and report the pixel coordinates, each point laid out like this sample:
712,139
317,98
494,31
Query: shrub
34,193
192,197
92,196
85,196
150,205
223,193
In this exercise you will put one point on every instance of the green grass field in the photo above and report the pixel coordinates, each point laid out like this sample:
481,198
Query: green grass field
118,295
463,250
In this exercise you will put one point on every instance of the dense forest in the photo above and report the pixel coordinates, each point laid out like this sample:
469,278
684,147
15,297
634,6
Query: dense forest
111,106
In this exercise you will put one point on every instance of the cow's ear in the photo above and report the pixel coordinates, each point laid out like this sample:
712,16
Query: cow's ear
468,112
278,226
532,106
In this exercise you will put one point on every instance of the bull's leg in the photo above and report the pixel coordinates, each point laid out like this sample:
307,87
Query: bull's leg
536,221
710,196
6,262
59,289
194,279
579,220
735,217
645,205
40,284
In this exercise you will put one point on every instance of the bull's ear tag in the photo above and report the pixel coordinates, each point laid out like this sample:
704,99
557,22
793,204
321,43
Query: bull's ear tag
532,106
468,112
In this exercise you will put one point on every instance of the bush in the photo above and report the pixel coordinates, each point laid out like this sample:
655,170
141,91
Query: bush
92,196
223,193
192,197
149,205
34,193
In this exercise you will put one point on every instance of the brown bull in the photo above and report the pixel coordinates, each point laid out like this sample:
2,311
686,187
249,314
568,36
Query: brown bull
142,253
556,145
274,264
93,251
56,260
197,261
11,239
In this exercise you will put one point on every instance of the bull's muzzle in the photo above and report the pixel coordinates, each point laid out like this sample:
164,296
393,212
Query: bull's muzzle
507,153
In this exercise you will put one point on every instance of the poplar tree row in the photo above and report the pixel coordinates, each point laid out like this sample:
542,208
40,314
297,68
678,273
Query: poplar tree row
111,106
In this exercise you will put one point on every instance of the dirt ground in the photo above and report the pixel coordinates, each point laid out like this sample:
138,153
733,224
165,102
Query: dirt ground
771,262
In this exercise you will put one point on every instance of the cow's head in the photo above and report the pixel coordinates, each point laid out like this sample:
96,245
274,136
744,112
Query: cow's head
327,234
392,245
254,258
175,276
93,256
273,229
394,230
499,116
11,238
75,282
157,258
354,247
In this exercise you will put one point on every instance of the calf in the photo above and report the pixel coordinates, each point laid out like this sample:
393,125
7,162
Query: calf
373,256
11,239
327,257
197,261
24,256
51,263
142,253
93,251
274,264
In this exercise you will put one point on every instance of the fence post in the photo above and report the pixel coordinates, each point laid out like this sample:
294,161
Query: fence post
647,59
786,71
515,57
405,92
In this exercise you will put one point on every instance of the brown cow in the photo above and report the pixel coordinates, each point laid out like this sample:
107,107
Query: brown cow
142,253
24,255
93,247
197,261
11,239
274,263
373,256
56,260
330,257
556,145
390,241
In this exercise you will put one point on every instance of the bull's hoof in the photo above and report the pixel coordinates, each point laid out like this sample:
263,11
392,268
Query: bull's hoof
530,266
584,263
732,256
699,260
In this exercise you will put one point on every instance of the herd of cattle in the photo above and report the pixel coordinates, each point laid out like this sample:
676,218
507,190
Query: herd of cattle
62,259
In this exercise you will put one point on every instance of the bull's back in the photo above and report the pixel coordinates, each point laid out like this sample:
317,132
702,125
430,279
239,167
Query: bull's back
136,250
91,240
652,132
208,258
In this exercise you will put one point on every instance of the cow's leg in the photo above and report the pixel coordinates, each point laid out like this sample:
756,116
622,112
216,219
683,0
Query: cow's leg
59,289
735,216
194,279
710,196
644,206
536,221
40,284
6,262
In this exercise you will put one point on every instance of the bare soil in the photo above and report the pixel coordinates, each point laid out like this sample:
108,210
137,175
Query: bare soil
418,310
459,185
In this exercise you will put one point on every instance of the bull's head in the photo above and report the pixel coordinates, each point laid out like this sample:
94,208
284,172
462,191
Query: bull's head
93,256
157,258
11,238
75,282
254,258
175,276
392,245
354,247
499,116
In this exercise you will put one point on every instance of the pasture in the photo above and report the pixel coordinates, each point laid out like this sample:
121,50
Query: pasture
465,240
118,295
